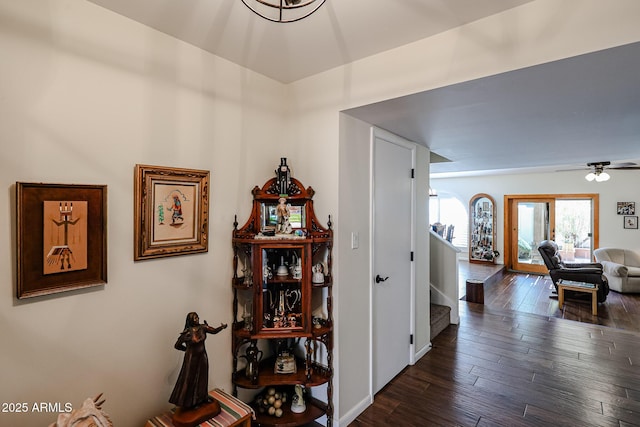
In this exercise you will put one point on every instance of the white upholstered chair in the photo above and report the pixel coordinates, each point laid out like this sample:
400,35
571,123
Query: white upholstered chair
621,267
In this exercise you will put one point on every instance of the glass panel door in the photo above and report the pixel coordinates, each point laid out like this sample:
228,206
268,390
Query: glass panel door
571,220
574,229
534,222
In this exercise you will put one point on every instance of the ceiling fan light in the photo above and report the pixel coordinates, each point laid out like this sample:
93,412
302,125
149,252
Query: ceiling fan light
603,177
590,176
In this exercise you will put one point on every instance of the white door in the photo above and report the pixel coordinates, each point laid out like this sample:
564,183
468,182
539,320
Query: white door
393,162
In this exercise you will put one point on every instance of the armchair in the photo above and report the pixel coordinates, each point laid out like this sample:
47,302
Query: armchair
622,268
583,272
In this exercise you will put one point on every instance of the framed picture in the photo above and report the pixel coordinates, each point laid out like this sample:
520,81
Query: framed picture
626,208
61,237
171,214
630,222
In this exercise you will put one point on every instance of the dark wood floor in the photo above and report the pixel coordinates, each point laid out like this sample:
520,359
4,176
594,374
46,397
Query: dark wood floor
518,360
531,293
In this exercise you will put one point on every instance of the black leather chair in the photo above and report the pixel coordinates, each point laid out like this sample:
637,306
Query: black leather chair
584,272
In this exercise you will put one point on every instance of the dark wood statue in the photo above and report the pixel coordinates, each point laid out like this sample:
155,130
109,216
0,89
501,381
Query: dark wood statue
191,392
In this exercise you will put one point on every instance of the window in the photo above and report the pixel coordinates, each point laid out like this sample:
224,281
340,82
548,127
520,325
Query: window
447,209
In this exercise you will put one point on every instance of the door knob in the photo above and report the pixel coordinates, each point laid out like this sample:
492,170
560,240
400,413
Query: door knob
380,279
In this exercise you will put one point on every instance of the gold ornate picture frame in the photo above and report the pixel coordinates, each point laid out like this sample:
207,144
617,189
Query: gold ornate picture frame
171,214
61,237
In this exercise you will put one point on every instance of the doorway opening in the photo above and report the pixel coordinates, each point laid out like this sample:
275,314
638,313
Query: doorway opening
571,220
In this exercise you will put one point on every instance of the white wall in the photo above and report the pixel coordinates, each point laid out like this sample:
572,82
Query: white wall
354,268
85,95
622,187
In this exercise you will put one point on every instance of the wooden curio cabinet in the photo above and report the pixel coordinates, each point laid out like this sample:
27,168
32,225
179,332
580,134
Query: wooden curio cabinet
282,302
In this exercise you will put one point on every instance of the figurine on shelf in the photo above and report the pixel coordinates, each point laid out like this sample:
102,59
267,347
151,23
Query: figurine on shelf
318,273
283,213
253,357
297,401
297,270
191,389
267,273
292,320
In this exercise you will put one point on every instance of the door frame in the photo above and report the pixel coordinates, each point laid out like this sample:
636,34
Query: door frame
512,212
378,133
511,200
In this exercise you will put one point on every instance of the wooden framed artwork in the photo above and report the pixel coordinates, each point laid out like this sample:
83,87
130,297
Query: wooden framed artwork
61,237
171,214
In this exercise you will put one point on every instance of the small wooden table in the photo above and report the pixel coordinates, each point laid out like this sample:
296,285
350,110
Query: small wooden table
579,287
233,413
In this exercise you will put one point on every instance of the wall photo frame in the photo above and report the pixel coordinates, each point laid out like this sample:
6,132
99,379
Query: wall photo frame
61,237
631,222
171,211
626,208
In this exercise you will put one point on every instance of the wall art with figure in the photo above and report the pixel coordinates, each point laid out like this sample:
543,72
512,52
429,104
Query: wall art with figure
61,237
171,211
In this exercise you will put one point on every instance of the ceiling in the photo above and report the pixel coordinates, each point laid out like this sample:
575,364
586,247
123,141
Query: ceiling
340,32
555,116
552,116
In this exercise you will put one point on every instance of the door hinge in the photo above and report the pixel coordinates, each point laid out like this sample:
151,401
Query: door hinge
411,256
413,173
411,339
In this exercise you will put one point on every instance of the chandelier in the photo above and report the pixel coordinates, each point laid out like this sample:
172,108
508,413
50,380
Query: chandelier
283,10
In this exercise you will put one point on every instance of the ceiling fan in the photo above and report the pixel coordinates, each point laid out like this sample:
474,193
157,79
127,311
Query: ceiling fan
598,170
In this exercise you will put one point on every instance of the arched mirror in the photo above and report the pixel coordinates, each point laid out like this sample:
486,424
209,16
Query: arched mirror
482,229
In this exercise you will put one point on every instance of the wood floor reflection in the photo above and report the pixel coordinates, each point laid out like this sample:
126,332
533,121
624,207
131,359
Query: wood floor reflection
518,360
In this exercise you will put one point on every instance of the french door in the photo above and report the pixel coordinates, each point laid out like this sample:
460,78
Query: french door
534,222
571,220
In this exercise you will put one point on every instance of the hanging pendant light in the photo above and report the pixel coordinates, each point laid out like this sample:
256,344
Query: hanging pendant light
283,10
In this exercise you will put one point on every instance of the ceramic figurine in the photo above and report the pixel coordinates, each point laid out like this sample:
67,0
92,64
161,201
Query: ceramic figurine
297,401
318,274
297,270
283,213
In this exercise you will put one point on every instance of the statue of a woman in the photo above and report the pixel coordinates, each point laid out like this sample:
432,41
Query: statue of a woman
192,388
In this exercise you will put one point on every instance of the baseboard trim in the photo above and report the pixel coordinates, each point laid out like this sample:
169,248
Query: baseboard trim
353,413
424,350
